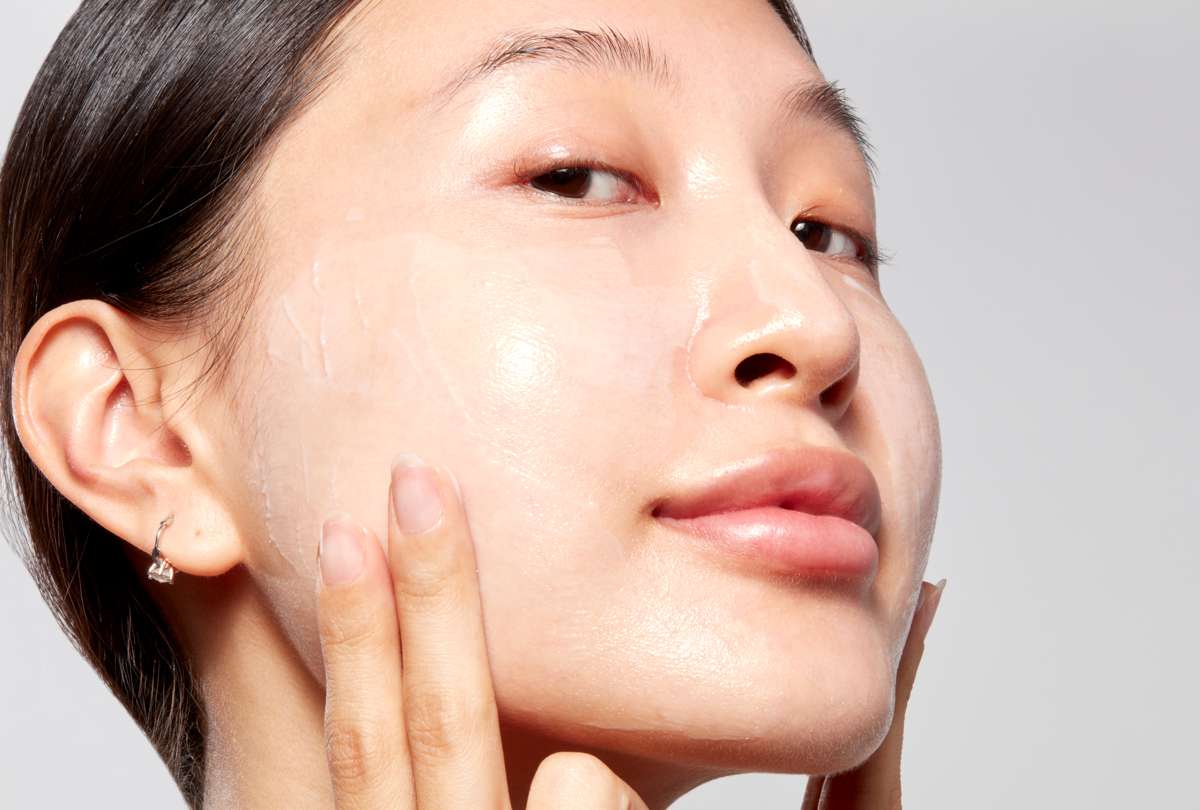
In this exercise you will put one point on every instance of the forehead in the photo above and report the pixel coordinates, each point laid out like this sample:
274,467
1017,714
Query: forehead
710,75
419,49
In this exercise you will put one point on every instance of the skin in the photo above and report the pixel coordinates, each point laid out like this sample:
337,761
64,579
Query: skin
569,362
427,733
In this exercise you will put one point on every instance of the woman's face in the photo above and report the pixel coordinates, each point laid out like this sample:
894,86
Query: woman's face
569,347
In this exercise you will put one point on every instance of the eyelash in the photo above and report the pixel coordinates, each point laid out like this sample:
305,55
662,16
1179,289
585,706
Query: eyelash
526,172
867,253
867,250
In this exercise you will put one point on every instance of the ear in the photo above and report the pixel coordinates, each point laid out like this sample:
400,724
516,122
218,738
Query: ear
93,406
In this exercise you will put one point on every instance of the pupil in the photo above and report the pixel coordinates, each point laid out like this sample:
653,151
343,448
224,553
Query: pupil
813,235
569,181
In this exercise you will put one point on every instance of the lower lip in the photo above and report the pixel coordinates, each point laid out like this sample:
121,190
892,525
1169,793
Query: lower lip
788,541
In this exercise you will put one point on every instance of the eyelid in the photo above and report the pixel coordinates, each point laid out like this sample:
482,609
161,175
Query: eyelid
525,169
871,258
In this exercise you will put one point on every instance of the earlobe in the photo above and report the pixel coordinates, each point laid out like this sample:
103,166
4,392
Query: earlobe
89,407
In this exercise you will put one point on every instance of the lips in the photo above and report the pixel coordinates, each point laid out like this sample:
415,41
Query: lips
812,512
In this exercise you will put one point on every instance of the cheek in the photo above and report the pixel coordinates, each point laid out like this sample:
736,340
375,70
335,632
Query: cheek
521,371
549,356
894,425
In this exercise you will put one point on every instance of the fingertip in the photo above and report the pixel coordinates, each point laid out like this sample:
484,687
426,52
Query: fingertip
927,604
923,593
936,598
417,498
341,553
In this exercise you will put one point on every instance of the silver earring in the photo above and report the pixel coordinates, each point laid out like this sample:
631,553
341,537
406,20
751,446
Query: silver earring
161,569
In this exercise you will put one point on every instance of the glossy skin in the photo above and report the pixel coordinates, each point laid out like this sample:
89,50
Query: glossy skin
410,713
571,362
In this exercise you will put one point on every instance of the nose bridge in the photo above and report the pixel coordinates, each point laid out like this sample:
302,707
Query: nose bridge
774,326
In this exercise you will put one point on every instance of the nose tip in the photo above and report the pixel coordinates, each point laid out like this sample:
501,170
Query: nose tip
759,354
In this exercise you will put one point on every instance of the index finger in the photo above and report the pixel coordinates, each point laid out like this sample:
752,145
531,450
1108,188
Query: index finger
449,704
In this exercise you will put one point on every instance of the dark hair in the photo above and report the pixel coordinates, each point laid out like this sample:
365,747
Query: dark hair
123,182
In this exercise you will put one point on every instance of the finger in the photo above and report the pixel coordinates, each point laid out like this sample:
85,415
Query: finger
914,646
875,785
812,793
450,709
578,780
365,744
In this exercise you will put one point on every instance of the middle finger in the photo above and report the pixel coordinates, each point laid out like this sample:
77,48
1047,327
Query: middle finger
449,704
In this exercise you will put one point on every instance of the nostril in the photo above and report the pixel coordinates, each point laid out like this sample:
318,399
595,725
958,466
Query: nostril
762,365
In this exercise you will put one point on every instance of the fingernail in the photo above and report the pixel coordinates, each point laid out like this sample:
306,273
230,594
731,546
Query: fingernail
415,498
340,552
937,598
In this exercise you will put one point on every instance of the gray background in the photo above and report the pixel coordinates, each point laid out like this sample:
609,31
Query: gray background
1038,186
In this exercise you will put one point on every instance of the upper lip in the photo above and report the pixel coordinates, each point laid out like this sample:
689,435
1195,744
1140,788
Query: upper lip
817,480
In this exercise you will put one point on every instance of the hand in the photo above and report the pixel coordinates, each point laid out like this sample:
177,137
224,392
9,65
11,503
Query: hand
410,715
875,785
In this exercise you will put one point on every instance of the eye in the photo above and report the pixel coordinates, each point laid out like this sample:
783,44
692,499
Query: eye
591,182
838,243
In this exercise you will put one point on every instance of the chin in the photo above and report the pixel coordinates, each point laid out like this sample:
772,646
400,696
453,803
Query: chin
834,735
814,695
829,716
771,711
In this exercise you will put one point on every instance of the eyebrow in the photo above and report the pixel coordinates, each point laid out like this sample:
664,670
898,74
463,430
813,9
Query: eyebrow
610,51
826,101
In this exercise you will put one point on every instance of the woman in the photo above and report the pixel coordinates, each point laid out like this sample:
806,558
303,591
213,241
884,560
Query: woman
598,285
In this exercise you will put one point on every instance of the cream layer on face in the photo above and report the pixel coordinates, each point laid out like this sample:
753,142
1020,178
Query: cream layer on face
523,370
542,389
481,352
562,369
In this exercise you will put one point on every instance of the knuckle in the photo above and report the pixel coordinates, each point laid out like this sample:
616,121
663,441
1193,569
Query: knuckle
348,631
430,585
441,724
357,753
576,773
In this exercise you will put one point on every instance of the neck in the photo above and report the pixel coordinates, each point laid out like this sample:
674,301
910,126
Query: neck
265,713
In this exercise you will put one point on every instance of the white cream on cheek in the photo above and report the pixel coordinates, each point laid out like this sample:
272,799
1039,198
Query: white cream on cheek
496,347
530,365
539,340
903,445
541,375
521,370
555,381
853,283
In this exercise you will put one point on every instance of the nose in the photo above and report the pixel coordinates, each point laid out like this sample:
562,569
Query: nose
776,329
